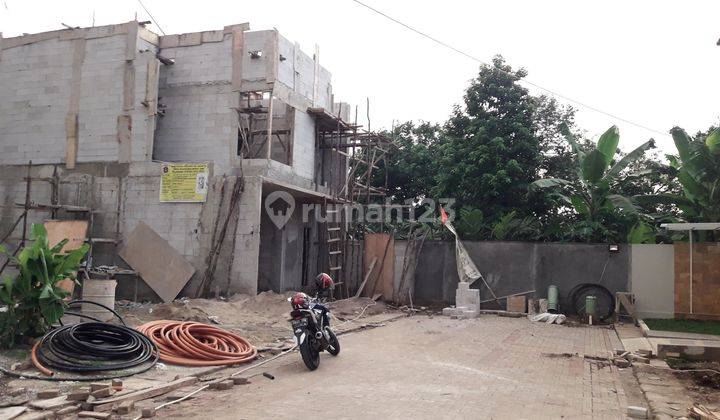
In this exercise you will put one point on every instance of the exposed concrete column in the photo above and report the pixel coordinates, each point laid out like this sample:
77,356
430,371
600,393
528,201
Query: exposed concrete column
272,57
151,101
71,120
238,49
244,270
124,121
238,42
316,75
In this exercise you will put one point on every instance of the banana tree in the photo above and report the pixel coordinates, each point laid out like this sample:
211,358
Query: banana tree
590,195
698,166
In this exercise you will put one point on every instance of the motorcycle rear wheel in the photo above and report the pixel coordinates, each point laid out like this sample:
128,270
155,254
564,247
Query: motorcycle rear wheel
310,356
333,341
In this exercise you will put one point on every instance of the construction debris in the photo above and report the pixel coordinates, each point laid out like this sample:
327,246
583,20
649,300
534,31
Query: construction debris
239,380
48,393
79,395
94,415
549,318
625,359
222,385
637,412
699,411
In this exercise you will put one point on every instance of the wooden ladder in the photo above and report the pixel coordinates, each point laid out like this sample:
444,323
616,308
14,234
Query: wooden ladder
335,243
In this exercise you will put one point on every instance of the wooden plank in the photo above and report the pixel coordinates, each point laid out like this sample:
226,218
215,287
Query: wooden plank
157,262
51,404
11,412
269,126
629,307
142,394
367,276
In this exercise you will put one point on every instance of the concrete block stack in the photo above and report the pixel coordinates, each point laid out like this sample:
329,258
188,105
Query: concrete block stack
467,302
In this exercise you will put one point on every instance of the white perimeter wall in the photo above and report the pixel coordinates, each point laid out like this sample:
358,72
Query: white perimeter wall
652,280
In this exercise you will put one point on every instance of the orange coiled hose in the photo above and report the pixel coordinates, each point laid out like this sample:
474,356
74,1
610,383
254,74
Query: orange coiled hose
196,344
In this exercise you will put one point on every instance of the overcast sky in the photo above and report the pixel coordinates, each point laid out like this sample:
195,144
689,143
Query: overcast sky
655,63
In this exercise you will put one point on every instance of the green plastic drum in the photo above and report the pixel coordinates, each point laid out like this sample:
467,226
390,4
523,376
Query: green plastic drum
552,299
591,305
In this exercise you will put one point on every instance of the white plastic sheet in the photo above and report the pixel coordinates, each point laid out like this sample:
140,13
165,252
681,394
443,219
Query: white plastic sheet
467,270
549,318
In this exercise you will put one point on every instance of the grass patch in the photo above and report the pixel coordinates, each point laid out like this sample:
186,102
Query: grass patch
684,325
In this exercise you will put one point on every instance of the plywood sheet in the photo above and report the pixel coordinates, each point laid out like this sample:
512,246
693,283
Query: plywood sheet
382,277
157,262
73,230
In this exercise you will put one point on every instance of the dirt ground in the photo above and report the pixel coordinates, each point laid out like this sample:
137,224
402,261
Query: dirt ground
435,367
701,380
261,319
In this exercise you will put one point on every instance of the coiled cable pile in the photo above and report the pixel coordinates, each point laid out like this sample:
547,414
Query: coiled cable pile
94,347
196,344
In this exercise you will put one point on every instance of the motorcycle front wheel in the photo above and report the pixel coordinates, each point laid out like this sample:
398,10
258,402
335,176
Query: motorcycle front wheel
310,356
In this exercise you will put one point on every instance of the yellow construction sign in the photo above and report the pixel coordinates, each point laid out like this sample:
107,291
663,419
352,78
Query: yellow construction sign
184,182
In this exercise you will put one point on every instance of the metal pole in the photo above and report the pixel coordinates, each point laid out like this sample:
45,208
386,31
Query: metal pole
691,270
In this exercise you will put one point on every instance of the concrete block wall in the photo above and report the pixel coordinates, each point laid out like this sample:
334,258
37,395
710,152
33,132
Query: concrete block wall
304,145
122,195
209,62
199,122
35,83
188,227
199,125
47,75
296,70
109,76
101,81
515,267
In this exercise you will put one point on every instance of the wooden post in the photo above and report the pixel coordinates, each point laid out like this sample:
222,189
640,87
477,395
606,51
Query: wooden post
269,126
28,181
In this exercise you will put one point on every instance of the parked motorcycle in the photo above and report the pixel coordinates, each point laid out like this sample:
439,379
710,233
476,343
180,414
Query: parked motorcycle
312,332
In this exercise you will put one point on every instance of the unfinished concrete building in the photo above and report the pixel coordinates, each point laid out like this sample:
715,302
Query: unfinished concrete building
99,112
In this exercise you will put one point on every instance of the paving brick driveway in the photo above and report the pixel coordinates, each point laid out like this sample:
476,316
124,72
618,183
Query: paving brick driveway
436,368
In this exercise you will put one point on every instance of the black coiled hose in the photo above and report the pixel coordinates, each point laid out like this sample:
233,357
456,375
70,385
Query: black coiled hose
95,347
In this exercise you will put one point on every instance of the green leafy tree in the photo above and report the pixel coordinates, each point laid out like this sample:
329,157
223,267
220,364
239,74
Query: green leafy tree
33,299
698,172
489,152
512,228
471,223
591,197
410,168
